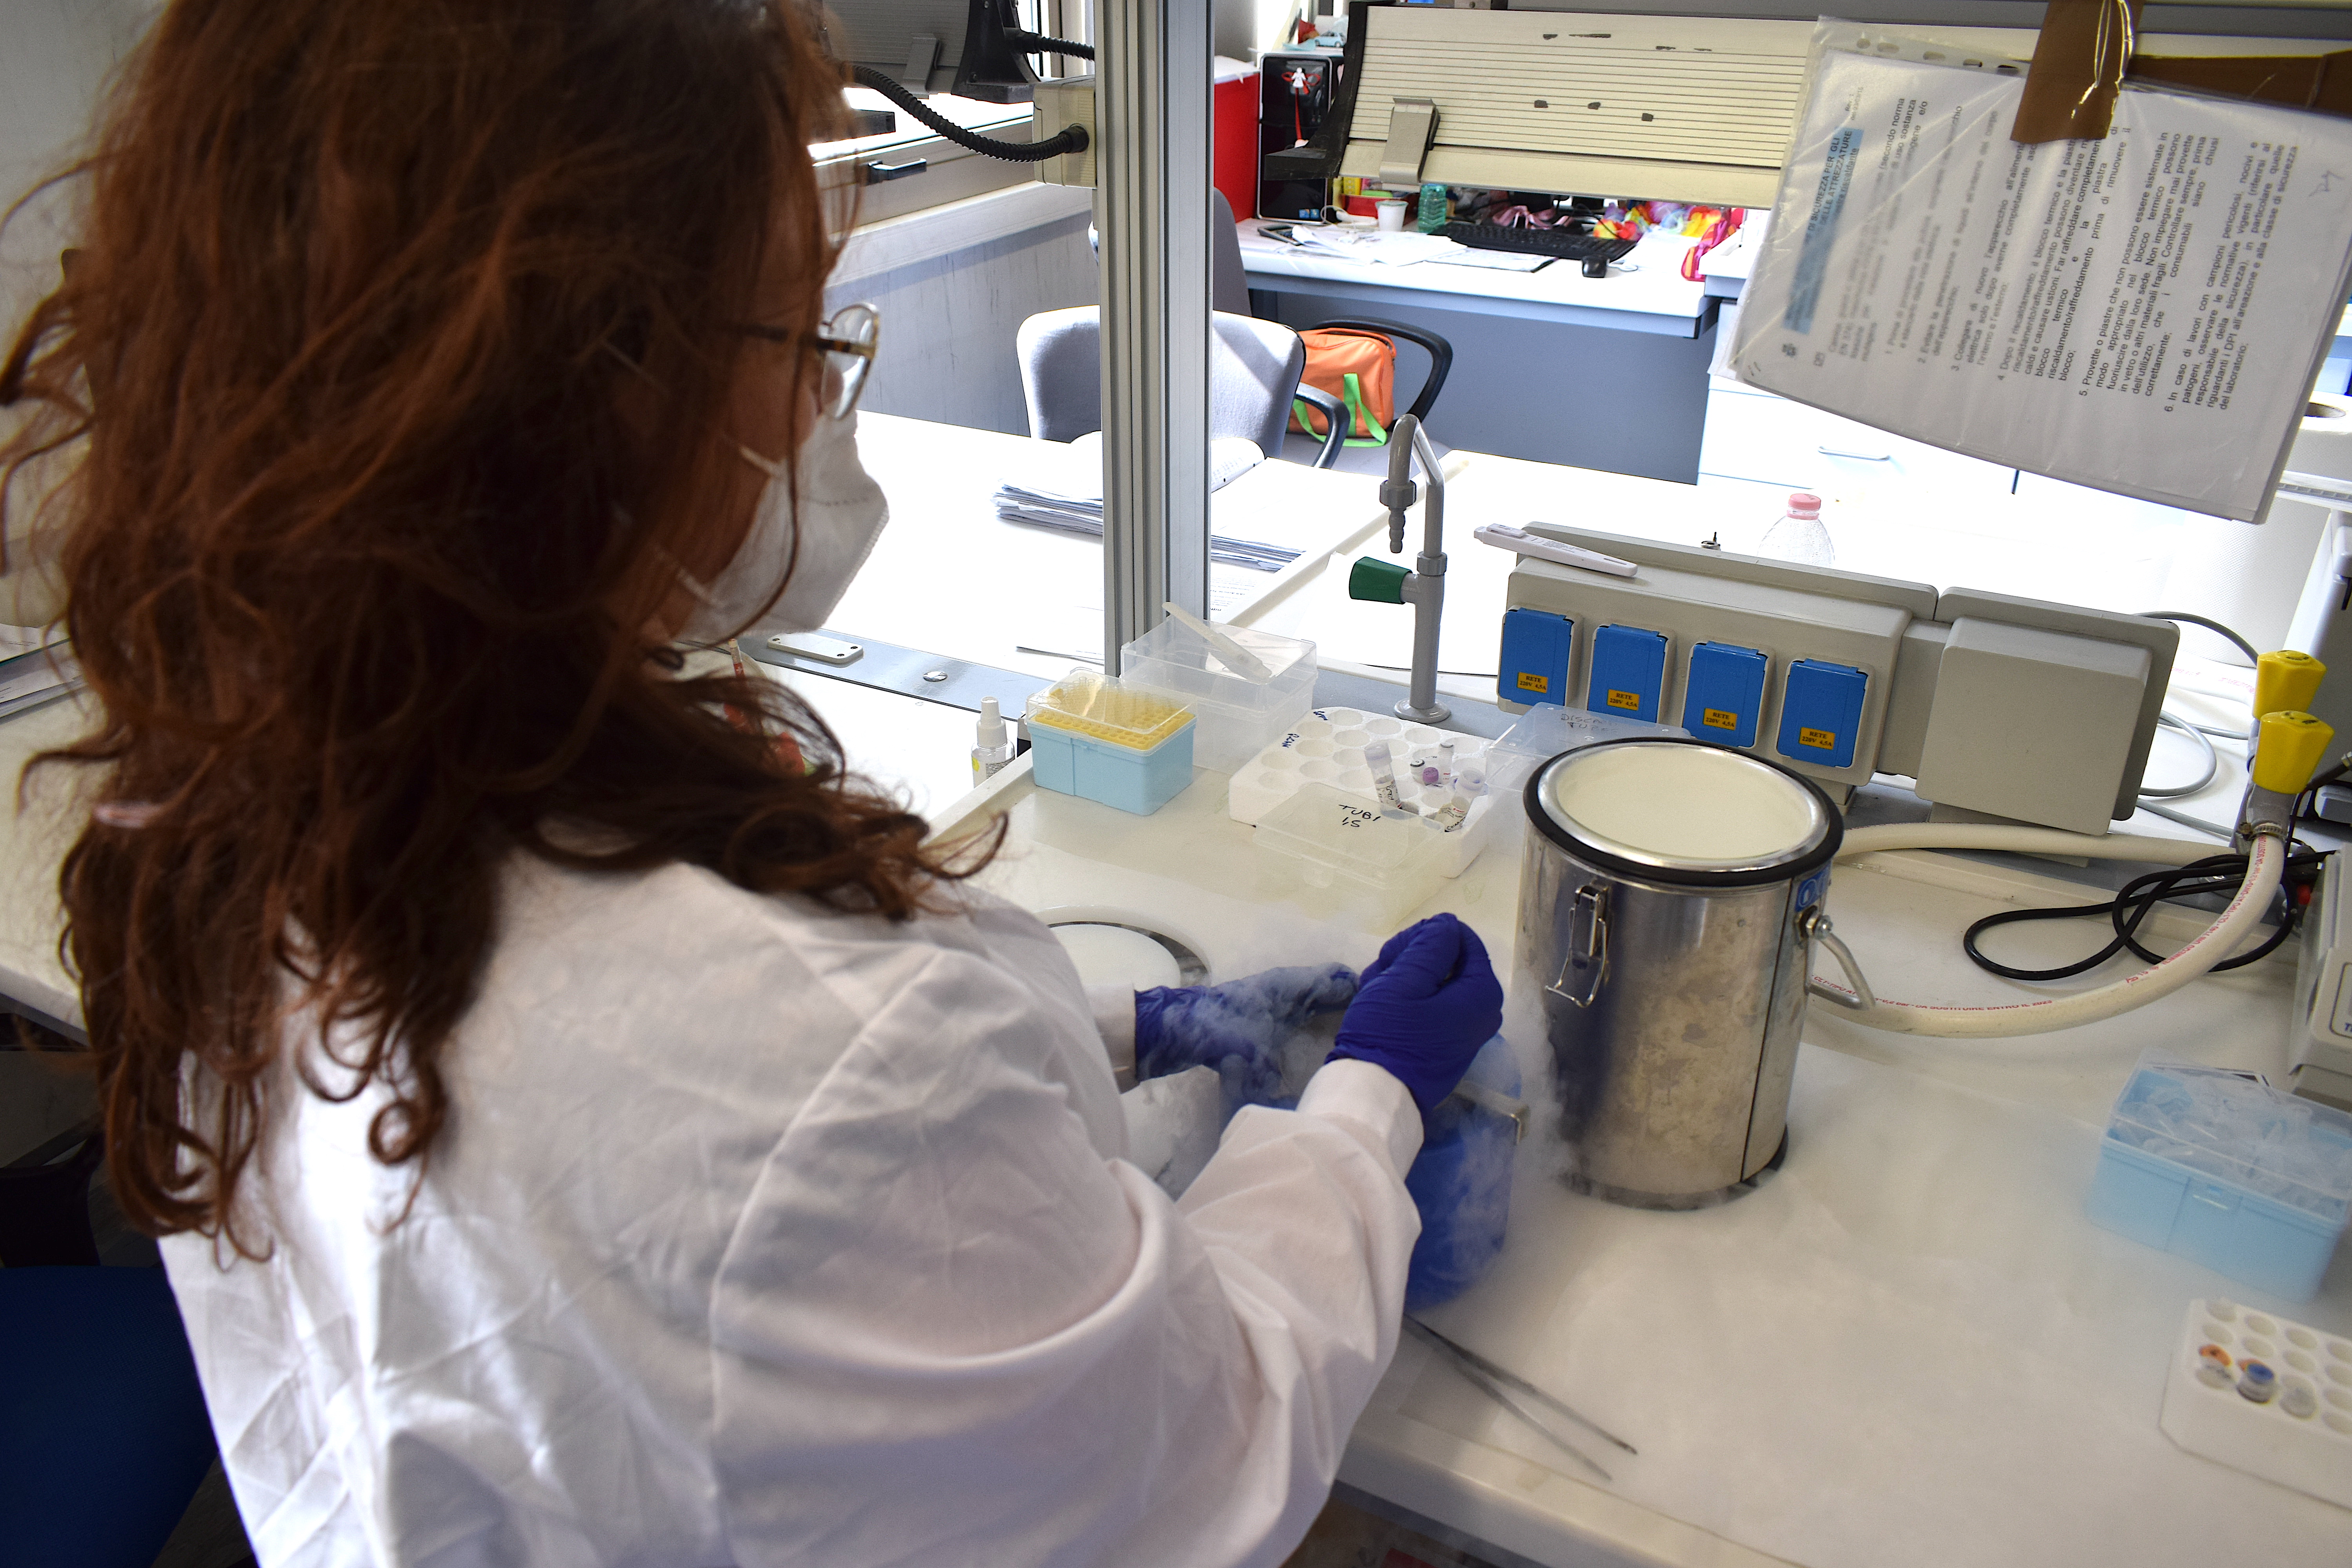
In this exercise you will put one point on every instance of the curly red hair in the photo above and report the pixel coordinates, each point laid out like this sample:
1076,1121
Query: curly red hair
372,509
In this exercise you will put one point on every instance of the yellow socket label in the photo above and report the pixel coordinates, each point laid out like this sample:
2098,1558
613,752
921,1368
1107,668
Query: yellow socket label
1530,681
1716,718
1819,739
1624,700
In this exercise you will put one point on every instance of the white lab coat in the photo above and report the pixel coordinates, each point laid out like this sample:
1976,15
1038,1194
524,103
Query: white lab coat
760,1233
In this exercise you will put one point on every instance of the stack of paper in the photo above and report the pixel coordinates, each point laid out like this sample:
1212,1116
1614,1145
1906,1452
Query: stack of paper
33,673
1063,490
1392,247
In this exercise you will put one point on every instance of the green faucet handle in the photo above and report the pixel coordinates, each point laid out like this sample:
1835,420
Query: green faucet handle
1382,582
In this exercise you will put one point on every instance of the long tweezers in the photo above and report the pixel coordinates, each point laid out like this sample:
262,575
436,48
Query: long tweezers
1472,1359
1501,1396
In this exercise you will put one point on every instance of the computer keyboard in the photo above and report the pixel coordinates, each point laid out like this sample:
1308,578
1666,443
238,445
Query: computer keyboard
1561,243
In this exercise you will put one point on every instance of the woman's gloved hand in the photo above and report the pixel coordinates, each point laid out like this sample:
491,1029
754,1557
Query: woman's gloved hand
1461,1182
1238,1027
1423,1007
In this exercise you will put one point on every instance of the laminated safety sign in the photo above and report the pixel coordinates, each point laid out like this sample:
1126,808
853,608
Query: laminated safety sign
2142,313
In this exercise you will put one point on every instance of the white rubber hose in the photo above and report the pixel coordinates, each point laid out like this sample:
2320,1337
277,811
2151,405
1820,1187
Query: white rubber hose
2219,941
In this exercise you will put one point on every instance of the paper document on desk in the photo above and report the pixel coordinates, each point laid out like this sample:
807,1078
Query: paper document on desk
1392,248
1496,260
1062,489
33,679
2142,314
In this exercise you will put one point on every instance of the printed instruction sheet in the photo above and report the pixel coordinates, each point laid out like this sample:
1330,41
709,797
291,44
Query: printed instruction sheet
2142,314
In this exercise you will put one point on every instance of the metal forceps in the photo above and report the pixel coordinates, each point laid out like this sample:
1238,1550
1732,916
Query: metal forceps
1498,1382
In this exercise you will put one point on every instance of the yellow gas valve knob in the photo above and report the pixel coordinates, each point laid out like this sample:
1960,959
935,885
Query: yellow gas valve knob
2288,751
2285,682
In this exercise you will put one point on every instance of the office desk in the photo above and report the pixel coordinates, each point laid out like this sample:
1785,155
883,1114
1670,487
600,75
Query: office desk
1645,293
1907,1346
1550,367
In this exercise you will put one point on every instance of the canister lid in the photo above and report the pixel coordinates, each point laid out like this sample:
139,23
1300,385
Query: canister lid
1684,811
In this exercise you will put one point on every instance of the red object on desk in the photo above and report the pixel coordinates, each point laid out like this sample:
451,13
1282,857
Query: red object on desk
1233,142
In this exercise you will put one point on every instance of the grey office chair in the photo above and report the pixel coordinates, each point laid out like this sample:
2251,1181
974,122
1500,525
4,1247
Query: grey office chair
1253,368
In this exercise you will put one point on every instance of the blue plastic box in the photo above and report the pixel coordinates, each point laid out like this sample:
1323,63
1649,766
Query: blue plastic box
1089,736
2193,1193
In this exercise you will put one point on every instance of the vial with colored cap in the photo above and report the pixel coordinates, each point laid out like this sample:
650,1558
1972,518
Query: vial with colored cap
2257,1383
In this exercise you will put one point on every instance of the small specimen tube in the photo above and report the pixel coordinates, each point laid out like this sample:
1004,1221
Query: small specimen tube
1384,770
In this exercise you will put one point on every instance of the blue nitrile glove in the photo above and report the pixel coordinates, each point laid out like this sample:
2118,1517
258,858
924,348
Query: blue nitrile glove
1238,1027
1461,1184
1423,1007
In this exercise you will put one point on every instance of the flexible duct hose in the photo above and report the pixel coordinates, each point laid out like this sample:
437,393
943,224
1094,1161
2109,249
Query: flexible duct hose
2264,868
1072,138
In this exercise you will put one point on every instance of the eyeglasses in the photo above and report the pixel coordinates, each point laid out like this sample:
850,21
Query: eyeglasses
847,337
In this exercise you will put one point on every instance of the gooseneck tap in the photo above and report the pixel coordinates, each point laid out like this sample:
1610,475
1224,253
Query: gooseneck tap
1425,586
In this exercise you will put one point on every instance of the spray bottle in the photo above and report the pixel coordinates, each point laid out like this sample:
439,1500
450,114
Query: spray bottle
995,748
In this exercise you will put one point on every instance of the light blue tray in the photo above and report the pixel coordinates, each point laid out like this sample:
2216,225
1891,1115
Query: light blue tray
2271,1246
2277,1243
1139,781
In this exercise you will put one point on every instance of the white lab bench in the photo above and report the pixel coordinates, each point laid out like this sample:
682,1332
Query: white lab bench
1907,1345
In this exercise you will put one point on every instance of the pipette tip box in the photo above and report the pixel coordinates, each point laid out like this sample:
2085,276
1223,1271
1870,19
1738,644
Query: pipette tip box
1090,736
2222,1169
2263,1395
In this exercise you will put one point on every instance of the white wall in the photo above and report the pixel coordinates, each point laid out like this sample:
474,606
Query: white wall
55,57
953,285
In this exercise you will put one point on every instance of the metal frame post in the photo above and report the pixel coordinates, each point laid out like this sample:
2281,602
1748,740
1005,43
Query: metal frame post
1153,210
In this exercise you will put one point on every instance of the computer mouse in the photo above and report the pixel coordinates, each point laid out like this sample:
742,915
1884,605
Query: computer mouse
1596,267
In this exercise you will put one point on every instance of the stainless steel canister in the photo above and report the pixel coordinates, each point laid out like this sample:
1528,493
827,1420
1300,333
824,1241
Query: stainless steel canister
1662,913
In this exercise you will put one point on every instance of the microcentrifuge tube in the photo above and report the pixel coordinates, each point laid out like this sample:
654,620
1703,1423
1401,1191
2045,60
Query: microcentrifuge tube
2257,1383
1445,764
1383,767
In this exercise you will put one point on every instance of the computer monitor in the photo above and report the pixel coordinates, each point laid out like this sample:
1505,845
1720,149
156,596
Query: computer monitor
962,46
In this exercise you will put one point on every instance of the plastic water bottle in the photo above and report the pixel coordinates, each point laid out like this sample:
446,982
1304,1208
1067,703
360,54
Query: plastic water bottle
995,748
1799,536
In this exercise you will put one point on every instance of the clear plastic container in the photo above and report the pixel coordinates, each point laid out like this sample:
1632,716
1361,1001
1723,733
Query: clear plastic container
1324,839
1236,717
1095,737
2222,1169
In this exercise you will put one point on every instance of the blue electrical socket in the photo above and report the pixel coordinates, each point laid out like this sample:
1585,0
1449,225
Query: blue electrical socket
1725,695
1536,646
1629,670
1821,709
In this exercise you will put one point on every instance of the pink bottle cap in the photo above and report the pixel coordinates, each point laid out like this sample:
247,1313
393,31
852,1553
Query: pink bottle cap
1803,505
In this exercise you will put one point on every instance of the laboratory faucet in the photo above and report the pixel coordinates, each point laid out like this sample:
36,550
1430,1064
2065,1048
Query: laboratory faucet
1425,586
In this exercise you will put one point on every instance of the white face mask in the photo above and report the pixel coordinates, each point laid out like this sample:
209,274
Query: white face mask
842,512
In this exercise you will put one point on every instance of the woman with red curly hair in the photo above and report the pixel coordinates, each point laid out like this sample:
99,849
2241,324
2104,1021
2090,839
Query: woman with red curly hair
578,1134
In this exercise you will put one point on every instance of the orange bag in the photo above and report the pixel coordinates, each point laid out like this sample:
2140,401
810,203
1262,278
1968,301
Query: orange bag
1357,367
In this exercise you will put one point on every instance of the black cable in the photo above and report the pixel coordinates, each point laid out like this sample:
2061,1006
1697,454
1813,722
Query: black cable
2132,906
2242,646
1039,44
1072,139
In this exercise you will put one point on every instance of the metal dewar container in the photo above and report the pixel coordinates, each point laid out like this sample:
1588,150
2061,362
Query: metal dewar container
1664,905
